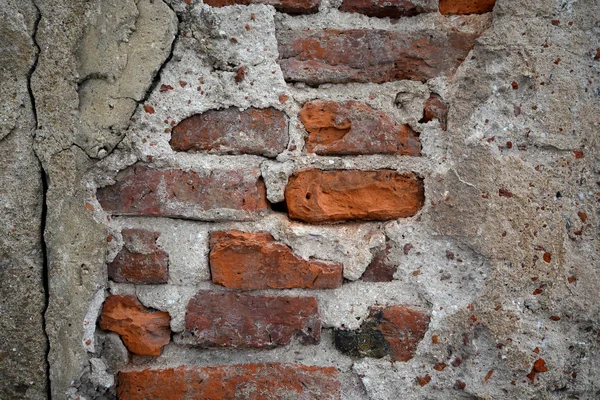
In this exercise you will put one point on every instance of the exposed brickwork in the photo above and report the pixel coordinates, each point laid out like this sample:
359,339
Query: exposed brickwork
435,108
253,261
140,261
393,330
231,131
144,332
286,6
380,269
466,6
389,8
271,381
334,56
141,190
355,128
226,319
331,196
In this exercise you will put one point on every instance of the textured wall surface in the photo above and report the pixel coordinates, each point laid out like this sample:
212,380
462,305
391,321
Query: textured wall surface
328,199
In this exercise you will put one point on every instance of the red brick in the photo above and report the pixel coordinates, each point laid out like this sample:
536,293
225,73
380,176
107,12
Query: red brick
403,329
141,190
286,6
140,261
380,269
435,108
231,131
466,6
228,319
252,261
144,332
270,381
341,56
352,128
331,196
389,8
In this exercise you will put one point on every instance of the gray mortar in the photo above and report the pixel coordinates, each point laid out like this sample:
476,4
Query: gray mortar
493,235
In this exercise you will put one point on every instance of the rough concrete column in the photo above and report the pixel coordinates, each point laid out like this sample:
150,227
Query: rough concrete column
23,343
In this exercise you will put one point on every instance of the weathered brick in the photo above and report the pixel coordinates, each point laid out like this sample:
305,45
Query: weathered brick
226,319
140,261
389,8
269,381
286,6
144,332
254,261
466,6
141,190
331,196
352,128
380,269
435,108
232,131
357,55
393,330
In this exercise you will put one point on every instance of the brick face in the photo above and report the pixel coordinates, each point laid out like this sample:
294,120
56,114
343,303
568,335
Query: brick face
227,319
391,330
253,261
389,8
435,108
270,381
140,261
331,196
342,56
286,6
144,332
466,6
380,269
352,128
231,131
141,190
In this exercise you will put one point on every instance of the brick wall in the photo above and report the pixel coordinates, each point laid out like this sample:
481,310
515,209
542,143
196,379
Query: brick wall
273,179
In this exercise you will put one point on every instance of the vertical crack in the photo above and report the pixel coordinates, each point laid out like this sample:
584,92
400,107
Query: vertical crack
36,24
45,278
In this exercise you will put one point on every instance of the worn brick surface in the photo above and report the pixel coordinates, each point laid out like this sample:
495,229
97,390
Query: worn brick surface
232,131
270,381
144,332
435,108
393,330
466,6
227,319
140,261
287,6
381,269
141,190
357,55
252,261
351,128
331,196
389,8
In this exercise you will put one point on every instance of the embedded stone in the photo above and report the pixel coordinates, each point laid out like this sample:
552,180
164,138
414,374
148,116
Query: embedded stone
392,330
